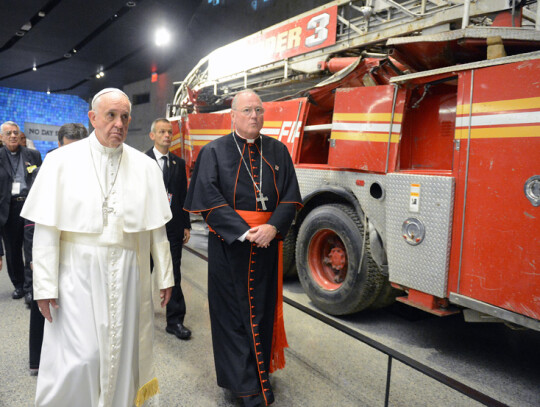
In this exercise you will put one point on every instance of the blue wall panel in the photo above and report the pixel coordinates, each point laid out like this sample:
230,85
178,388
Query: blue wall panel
22,106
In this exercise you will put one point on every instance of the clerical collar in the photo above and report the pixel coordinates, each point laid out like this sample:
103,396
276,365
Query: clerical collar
96,145
247,140
12,152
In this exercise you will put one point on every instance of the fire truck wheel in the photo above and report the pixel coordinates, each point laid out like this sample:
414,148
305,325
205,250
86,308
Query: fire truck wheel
386,297
289,258
335,268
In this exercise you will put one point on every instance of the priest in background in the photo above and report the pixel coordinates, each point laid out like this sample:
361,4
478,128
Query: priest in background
245,186
100,210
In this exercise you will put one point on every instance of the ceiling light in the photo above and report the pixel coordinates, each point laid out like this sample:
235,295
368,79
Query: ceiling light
48,91
131,4
101,74
97,75
19,33
162,37
34,68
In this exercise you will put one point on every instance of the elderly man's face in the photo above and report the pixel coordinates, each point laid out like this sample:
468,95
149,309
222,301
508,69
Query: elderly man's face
111,119
248,115
11,136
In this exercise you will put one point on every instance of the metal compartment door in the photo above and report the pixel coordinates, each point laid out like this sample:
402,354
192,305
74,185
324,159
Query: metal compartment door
498,163
366,127
418,229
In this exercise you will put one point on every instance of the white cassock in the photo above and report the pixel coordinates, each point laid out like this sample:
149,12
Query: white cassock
97,352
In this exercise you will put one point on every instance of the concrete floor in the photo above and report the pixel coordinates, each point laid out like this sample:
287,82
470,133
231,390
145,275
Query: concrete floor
324,366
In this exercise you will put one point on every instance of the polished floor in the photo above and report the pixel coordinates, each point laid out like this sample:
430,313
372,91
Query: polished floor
324,366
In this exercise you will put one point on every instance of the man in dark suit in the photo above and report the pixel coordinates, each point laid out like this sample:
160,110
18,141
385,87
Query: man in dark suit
19,162
174,177
4,204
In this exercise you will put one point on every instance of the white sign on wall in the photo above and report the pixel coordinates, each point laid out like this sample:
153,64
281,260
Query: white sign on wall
38,131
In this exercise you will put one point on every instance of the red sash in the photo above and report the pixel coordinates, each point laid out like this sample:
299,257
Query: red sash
279,338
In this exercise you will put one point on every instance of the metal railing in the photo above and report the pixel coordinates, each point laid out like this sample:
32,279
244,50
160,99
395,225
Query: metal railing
394,354
391,353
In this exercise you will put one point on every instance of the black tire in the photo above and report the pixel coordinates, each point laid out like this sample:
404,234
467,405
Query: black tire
386,297
289,257
335,270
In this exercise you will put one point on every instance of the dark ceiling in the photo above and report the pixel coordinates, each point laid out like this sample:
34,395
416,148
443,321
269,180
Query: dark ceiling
70,40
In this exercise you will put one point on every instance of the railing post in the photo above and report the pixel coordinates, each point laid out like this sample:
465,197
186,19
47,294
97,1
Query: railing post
388,377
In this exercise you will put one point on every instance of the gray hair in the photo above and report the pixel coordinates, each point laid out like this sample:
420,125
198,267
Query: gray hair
95,99
72,131
8,123
243,92
155,122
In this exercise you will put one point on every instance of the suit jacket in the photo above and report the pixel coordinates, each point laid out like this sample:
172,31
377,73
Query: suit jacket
29,158
177,188
5,196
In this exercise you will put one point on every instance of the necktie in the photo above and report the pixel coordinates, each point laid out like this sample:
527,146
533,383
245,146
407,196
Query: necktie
165,169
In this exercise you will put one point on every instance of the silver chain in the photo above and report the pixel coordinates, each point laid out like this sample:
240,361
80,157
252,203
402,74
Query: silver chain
106,197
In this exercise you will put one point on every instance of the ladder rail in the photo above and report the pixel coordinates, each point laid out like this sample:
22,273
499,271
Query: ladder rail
361,25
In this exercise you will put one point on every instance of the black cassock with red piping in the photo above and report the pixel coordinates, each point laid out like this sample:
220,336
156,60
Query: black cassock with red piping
242,278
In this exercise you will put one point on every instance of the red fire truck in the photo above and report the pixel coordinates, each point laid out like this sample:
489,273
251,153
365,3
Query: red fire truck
414,127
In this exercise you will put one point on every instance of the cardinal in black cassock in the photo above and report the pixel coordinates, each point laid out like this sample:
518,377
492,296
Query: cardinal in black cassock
245,187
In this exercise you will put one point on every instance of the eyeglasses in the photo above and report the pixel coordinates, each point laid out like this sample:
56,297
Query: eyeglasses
9,133
246,111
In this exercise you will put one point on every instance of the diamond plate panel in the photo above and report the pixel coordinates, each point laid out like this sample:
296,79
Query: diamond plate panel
311,180
423,267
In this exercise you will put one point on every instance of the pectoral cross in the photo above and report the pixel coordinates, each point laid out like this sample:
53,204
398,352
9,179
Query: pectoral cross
262,199
105,209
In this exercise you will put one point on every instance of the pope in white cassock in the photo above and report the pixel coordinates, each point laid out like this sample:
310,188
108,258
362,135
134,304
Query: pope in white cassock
100,210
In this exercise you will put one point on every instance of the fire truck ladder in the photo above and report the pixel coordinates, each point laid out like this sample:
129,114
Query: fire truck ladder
363,27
